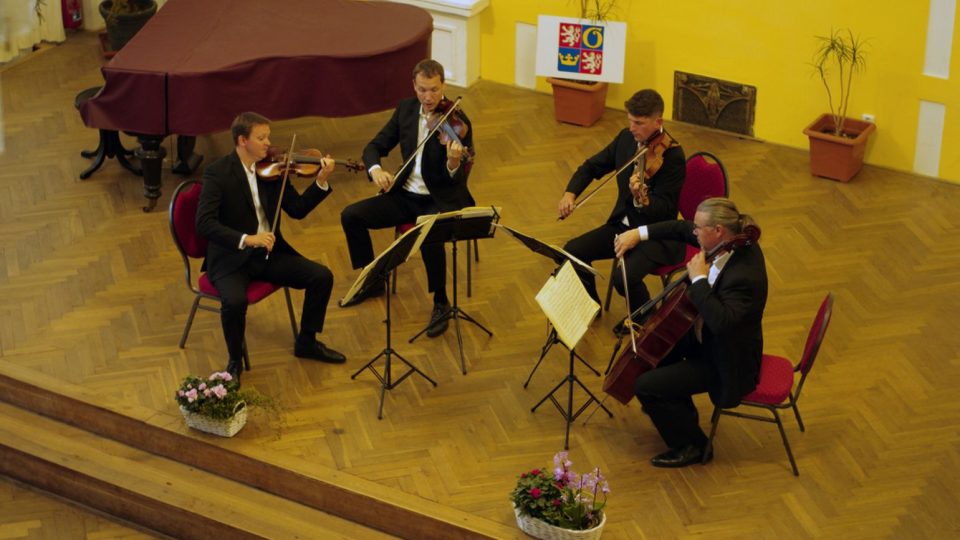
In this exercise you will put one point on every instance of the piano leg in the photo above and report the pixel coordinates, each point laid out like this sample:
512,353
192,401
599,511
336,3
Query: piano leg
187,161
151,155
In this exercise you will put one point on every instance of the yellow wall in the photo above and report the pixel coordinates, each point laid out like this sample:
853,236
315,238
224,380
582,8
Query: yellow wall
768,45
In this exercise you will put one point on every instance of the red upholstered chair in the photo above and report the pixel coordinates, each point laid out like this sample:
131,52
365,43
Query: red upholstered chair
775,391
706,177
400,229
183,216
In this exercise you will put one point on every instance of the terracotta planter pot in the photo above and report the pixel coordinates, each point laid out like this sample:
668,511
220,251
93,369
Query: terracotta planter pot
578,103
837,158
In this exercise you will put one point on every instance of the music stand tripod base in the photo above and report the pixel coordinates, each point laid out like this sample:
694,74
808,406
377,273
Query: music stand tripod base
387,382
568,415
454,312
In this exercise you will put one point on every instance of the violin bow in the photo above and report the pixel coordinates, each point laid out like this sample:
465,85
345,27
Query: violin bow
626,295
640,153
283,187
416,150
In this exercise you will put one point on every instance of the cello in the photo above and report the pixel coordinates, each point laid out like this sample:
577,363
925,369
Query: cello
657,337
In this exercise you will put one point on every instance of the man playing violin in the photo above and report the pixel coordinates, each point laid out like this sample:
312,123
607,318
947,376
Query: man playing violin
643,196
235,214
435,181
721,353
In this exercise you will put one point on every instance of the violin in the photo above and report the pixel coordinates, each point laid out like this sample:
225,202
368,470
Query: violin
305,163
664,329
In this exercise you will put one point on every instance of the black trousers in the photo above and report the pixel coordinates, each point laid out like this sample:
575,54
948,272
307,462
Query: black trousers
287,269
666,393
644,258
389,210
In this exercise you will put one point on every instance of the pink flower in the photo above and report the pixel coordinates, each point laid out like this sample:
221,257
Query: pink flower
202,386
192,395
219,391
535,493
181,393
535,472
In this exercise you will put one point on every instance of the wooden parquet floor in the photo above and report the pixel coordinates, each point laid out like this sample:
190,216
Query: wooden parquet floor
91,291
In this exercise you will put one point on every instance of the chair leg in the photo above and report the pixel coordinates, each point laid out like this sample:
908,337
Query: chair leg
293,318
606,303
714,422
796,411
186,328
786,443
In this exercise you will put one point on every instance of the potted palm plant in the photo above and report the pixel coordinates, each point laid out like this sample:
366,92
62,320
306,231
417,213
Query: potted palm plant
579,93
124,18
838,143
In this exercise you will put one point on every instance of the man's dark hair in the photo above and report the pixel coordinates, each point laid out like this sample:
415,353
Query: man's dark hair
429,68
243,124
645,103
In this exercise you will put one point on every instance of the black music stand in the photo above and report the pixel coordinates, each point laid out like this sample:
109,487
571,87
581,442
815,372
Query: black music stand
567,285
453,227
379,271
558,256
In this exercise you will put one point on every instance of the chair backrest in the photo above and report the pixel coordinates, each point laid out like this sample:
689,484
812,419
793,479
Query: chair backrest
183,220
705,178
814,339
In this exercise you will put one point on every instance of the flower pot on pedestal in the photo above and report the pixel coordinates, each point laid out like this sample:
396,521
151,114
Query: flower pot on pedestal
124,18
837,158
576,102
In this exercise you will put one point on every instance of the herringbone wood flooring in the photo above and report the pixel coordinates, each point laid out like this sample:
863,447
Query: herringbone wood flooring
92,292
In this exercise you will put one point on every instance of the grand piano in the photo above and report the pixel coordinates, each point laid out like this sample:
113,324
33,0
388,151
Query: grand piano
196,64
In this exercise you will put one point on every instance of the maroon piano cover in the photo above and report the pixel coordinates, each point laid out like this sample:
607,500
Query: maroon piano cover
197,63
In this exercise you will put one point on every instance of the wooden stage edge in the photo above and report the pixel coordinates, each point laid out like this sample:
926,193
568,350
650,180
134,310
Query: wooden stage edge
316,486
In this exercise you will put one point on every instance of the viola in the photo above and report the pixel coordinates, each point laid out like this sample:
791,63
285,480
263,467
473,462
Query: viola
657,337
448,121
658,143
304,163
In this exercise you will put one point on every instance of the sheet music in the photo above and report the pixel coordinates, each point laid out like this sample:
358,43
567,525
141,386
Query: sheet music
537,247
567,305
422,225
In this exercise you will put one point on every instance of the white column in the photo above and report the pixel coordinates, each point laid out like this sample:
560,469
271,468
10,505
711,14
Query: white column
456,36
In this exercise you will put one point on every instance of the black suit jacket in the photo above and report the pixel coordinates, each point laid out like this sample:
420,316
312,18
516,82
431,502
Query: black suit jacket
450,193
664,186
732,312
225,213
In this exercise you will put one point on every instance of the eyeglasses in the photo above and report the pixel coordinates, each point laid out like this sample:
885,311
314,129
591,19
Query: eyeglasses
697,227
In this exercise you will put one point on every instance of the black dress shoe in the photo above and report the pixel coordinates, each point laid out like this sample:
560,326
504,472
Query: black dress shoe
316,350
438,320
371,292
680,457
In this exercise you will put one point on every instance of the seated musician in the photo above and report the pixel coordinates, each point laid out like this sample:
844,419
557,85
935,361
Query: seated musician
435,181
642,197
721,353
235,214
